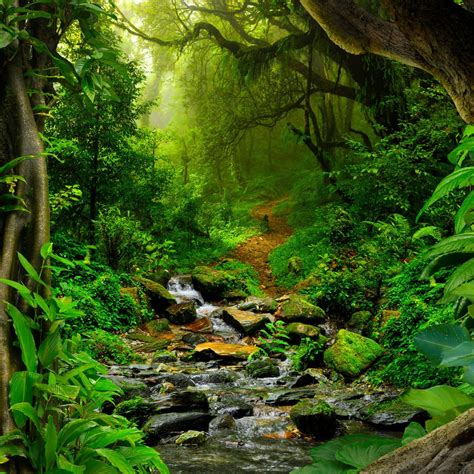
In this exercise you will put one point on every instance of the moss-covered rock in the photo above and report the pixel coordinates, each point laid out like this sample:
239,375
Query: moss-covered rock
261,368
298,309
164,356
315,418
137,410
211,283
360,321
263,304
193,438
181,313
245,321
300,330
352,353
160,298
155,327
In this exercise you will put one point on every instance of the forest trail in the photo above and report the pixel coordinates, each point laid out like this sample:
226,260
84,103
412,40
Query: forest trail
255,251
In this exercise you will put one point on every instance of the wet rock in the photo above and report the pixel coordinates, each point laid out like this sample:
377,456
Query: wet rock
131,387
261,368
137,410
352,353
164,356
301,330
194,339
258,304
245,321
211,283
360,321
236,407
178,380
234,295
220,376
290,396
222,423
298,309
180,401
164,424
160,298
315,418
201,325
210,350
193,438
155,327
311,377
182,313
391,414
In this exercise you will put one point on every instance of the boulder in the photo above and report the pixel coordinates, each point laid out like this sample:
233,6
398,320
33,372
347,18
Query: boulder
136,410
169,423
131,387
194,339
131,292
290,396
193,438
245,321
164,356
177,379
352,353
261,368
315,418
258,304
230,405
201,325
359,321
311,377
181,401
181,313
222,423
220,350
160,298
211,283
157,326
301,330
299,309
392,414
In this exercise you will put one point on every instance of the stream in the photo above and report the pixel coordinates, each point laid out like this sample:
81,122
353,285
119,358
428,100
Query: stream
246,420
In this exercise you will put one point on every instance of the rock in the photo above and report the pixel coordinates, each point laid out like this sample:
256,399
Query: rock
352,353
245,321
194,339
301,330
219,376
261,368
258,304
164,356
136,410
224,351
131,387
315,418
228,405
360,321
392,414
160,297
295,265
201,325
310,377
168,423
211,283
193,438
297,308
234,295
290,396
157,326
182,313
181,401
178,380
387,315
222,423
131,292
160,276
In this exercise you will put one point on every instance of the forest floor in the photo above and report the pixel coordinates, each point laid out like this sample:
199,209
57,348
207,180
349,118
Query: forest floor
256,250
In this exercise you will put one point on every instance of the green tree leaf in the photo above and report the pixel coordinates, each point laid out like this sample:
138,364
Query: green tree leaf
25,338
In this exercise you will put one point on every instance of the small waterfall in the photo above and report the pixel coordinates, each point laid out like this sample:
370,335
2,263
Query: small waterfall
182,289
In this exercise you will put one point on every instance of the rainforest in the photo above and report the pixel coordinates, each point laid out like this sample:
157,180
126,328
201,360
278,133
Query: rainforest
236,236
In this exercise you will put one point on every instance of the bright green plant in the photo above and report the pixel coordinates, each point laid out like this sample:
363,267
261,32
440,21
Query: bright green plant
9,202
274,339
307,352
56,400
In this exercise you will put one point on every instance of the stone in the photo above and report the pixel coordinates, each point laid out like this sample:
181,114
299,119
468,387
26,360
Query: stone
157,326
261,368
221,423
359,321
352,353
178,380
211,283
194,339
315,418
245,321
136,410
220,376
164,356
301,330
182,313
164,424
181,401
193,438
290,396
221,350
230,405
131,292
258,304
201,325
131,387
392,414
299,309
311,377
160,298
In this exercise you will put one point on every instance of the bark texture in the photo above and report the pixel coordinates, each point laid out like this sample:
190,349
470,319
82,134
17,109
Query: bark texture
448,449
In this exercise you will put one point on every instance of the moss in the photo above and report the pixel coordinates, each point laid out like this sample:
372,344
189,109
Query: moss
297,308
302,330
137,410
351,354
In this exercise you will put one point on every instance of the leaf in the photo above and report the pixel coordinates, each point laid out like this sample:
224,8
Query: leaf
25,338
144,455
461,243
432,342
21,390
462,274
31,272
23,291
50,349
51,443
117,460
6,39
466,208
26,409
63,392
361,454
46,250
461,178
72,430
459,356
413,431
439,400
106,437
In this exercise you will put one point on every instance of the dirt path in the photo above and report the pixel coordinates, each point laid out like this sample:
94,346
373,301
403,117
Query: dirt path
255,250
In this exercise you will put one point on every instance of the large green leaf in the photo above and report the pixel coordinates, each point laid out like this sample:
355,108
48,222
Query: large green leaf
63,392
464,215
12,163
50,349
434,341
461,243
361,454
29,412
117,460
72,430
326,467
25,338
413,431
144,455
31,272
51,444
21,390
107,436
464,273
459,356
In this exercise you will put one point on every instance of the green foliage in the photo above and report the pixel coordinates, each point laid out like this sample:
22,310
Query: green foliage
241,276
109,348
273,340
307,352
56,401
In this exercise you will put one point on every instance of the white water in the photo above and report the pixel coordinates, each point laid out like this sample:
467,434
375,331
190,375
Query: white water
183,291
